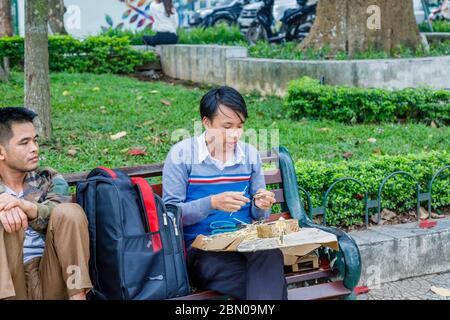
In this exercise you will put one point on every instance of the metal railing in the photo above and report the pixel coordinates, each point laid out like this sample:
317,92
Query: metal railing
373,203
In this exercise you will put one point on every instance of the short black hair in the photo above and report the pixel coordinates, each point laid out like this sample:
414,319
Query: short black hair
10,115
226,96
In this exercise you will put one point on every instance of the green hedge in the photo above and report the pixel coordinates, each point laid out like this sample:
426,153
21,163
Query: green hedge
346,207
221,34
308,98
94,54
438,26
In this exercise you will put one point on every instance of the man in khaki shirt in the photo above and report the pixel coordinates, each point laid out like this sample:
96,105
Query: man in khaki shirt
44,241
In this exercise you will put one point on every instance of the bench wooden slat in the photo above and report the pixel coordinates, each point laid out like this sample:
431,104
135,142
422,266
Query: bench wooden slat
320,291
276,216
310,275
155,170
272,177
157,188
204,295
152,170
291,278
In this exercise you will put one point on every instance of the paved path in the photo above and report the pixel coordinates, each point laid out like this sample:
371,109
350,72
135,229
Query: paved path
410,289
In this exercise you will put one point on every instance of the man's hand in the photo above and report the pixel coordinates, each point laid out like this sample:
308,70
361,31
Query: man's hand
264,199
229,201
13,220
7,202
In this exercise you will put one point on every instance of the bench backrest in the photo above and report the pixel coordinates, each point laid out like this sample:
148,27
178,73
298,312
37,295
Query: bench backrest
272,177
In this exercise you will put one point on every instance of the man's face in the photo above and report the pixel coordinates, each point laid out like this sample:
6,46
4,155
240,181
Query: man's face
21,153
225,129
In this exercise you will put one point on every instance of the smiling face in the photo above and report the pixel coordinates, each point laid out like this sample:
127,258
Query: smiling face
225,128
21,152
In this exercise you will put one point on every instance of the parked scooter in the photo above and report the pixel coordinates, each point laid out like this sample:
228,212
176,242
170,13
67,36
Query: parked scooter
293,26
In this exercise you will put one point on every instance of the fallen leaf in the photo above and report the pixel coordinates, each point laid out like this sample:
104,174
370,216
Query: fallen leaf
377,151
388,214
359,196
374,219
118,135
324,129
154,139
423,213
347,155
66,93
72,152
137,152
372,140
437,216
148,123
165,102
443,292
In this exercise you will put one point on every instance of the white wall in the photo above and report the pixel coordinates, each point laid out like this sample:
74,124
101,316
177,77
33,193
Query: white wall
86,17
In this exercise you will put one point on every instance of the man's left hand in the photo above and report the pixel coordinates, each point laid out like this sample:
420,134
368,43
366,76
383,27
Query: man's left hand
7,202
265,199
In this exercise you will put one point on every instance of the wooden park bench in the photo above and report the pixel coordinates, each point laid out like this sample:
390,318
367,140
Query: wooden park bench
339,271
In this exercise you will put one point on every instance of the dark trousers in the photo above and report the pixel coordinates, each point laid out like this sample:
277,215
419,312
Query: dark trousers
245,276
161,38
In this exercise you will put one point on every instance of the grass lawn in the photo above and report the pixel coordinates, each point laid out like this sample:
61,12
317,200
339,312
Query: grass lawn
88,109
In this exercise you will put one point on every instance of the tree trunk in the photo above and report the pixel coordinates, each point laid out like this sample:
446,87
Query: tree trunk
4,70
6,30
37,82
6,27
354,26
56,16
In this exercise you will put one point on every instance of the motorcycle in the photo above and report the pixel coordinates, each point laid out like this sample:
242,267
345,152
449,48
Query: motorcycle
293,26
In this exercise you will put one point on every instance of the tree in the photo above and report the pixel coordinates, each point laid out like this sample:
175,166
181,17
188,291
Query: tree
56,16
354,26
37,82
6,30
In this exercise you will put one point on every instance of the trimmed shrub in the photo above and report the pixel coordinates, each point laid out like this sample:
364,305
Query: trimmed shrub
220,34
346,204
94,54
438,26
308,98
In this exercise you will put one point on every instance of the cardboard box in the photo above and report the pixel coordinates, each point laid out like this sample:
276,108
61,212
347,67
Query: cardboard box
297,243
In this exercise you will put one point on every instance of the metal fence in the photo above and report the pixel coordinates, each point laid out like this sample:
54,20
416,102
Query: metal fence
374,203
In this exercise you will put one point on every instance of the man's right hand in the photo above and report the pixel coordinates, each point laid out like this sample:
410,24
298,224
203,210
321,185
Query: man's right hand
229,201
13,220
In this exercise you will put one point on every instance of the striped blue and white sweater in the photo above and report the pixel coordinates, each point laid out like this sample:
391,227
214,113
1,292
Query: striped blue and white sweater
191,176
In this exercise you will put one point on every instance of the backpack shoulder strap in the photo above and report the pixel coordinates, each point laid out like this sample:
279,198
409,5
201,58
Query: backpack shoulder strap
145,193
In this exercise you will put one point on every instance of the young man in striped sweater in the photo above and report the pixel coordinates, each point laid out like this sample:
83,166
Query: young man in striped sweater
213,178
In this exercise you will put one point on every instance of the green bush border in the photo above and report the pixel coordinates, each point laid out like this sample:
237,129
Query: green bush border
306,97
346,206
94,54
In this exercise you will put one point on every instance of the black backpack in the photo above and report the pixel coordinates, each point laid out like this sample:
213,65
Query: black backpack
136,243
